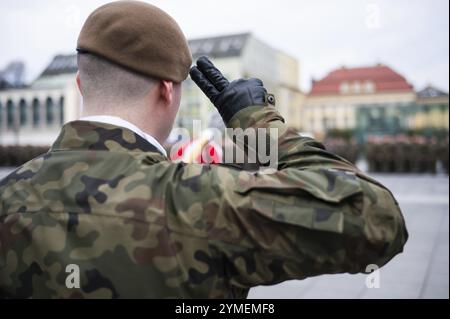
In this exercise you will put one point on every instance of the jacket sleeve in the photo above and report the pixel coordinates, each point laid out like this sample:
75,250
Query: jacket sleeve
317,214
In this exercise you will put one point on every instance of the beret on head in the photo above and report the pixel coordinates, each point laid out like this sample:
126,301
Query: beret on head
139,37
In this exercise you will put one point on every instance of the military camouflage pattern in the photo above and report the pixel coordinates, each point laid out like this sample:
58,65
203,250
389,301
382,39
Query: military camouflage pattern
141,226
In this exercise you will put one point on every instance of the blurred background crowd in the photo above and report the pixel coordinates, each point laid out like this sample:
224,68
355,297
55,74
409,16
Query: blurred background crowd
395,154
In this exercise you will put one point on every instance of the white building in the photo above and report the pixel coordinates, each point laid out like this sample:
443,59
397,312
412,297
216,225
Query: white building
35,114
243,55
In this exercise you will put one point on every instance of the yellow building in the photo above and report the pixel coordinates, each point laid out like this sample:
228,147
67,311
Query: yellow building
434,110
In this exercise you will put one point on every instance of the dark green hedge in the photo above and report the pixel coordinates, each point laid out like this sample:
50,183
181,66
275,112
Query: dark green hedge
17,155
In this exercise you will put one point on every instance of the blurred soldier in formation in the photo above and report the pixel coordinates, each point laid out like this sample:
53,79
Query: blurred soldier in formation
347,149
406,154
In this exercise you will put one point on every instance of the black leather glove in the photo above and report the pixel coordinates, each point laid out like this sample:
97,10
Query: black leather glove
228,98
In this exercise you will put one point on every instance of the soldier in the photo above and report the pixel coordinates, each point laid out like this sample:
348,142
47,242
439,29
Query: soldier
385,156
431,159
445,157
380,157
105,202
419,154
402,154
369,152
443,154
409,155
390,152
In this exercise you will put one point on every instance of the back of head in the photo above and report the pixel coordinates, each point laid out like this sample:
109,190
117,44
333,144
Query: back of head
124,47
106,85
139,37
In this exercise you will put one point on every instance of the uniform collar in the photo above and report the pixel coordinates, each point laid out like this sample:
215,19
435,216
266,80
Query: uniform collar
92,135
115,120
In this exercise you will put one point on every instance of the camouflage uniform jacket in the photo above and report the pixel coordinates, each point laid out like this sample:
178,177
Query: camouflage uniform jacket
139,225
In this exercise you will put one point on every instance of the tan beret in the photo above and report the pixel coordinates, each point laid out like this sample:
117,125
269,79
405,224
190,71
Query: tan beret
137,36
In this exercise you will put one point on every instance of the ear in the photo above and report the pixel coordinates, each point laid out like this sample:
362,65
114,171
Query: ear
78,80
166,92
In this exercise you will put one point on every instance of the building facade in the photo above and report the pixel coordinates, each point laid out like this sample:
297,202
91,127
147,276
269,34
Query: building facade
434,109
33,115
367,100
428,115
334,101
244,56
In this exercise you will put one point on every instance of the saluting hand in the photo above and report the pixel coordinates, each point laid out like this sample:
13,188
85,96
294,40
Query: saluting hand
228,98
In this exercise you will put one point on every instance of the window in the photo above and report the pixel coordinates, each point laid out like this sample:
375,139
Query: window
36,114
207,47
49,110
23,112
225,44
369,87
325,123
344,88
10,113
345,122
357,87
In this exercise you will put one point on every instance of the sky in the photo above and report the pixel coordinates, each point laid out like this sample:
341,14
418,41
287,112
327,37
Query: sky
411,36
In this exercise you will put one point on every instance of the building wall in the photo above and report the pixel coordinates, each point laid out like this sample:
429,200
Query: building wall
289,103
434,118
35,116
324,112
398,118
278,71
194,104
288,70
280,74
261,61
435,113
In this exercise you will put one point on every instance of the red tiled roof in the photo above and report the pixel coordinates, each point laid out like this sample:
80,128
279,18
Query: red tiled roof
383,77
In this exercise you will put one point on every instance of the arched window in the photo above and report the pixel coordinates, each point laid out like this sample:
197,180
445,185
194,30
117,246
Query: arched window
49,110
10,114
61,110
23,112
36,114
